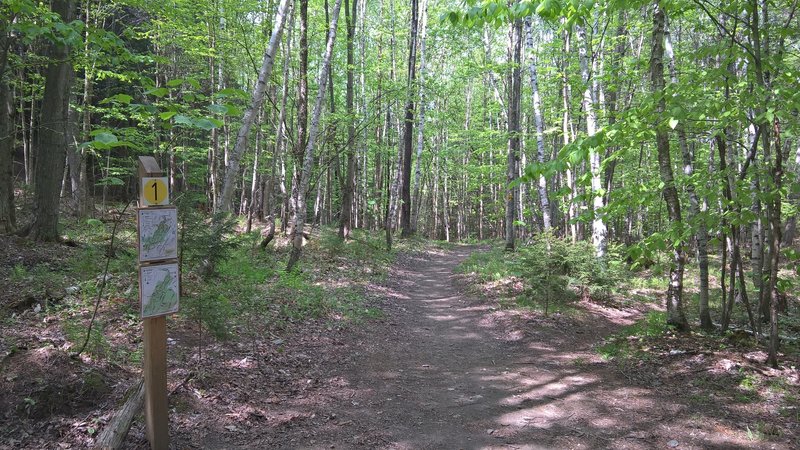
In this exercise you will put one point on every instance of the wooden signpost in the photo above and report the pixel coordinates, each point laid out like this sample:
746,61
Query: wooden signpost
159,291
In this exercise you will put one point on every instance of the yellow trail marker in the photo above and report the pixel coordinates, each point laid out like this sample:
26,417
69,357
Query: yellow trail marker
155,191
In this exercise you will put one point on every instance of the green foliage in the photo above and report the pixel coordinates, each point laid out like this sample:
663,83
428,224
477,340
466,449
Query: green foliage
366,250
204,241
298,297
211,306
493,265
75,330
555,269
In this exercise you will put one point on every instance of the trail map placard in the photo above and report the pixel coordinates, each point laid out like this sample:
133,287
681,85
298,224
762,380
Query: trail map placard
158,234
159,289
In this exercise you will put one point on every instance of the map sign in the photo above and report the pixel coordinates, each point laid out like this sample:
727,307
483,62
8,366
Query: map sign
159,289
158,234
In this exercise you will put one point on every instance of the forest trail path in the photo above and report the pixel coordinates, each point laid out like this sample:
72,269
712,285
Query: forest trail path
444,370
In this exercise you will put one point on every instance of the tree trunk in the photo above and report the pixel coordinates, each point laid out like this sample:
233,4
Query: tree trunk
113,435
281,133
77,156
51,151
598,225
415,203
257,98
774,209
675,315
701,232
7,213
308,159
566,128
346,216
537,117
408,133
514,82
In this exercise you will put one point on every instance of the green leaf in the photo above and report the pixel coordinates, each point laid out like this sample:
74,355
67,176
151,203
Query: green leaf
104,137
205,124
218,109
180,119
157,92
193,83
167,115
119,98
175,82
673,122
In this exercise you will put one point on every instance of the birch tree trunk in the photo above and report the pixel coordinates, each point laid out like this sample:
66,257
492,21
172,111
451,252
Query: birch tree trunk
694,202
302,111
394,186
675,315
281,140
394,192
537,118
598,225
566,131
308,159
234,159
415,203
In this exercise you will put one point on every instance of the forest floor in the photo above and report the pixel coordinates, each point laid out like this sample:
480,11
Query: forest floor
443,366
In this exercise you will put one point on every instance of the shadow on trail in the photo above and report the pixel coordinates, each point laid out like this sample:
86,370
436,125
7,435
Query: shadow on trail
442,370
451,379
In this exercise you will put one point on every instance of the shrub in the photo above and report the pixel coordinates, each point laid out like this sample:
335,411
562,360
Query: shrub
204,242
555,269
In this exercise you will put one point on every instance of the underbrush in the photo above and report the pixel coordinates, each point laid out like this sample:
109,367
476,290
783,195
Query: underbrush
234,293
230,286
549,273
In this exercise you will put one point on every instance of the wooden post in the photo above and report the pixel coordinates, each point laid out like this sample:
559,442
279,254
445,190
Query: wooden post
155,355
155,382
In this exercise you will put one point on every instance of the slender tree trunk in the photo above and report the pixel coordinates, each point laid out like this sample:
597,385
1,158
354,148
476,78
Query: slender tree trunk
394,185
730,246
537,117
589,101
675,314
346,216
701,232
7,213
774,208
566,132
250,114
308,160
302,113
394,192
281,138
408,133
77,156
415,203
514,82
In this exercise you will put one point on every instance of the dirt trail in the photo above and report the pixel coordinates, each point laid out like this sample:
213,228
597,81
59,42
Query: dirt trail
446,371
